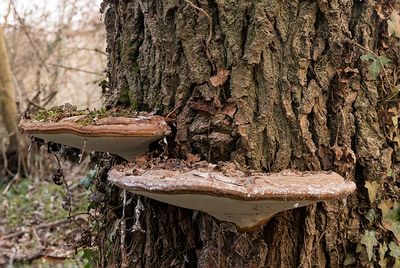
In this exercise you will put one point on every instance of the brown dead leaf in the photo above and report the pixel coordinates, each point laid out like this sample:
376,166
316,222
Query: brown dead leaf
142,161
373,189
220,78
351,97
378,9
192,158
229,109
201,105
337,151
394,25
344,156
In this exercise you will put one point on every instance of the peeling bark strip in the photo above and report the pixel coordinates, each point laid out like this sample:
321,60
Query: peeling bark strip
296,97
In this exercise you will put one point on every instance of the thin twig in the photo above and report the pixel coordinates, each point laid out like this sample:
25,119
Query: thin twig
49,98
35,234
75,69
208,17
210,25
314,247
170,113
36,255
88,49
75,217
26,32
68,197
36,227
16,177
124,257
35,105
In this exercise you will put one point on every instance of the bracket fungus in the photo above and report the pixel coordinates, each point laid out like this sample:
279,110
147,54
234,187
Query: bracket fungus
246,201
123,136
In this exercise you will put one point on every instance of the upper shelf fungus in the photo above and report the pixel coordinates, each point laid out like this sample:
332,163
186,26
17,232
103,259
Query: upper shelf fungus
246,201
123,136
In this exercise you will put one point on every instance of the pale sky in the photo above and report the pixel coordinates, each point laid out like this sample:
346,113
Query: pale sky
33,10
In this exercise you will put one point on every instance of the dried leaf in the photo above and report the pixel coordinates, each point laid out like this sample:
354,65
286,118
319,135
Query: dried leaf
192,158
389,172
390,216
338,151
373,188
220,78
351,97
395,120
349,260
378,9
382,251
369,240
394,25
385,206
395,252
229,109
202,105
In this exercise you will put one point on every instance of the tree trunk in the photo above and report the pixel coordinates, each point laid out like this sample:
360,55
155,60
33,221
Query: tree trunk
297,97
8,107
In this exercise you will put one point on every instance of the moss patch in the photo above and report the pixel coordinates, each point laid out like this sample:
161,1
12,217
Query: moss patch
87,117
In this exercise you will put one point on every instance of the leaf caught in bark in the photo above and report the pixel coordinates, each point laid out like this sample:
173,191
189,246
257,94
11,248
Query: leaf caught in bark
220,78
373,188
394,25
369,240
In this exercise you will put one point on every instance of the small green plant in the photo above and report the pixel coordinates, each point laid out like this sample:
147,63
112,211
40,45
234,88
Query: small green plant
388,220
88,179
376,65
369,240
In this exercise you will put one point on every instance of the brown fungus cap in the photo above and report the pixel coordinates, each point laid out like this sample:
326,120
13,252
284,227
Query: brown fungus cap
246,201
124,136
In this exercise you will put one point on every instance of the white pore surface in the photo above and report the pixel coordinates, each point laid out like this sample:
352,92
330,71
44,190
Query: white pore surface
244,214
126,147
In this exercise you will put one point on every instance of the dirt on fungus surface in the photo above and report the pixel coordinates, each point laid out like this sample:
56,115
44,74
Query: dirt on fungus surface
227,179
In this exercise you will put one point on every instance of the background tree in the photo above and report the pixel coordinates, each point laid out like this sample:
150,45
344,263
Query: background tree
8,107
297,96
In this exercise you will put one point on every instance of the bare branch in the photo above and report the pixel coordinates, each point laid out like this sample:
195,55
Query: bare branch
74,69
26,32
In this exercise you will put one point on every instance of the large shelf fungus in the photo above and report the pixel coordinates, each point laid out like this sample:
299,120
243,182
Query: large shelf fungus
245,200
127,137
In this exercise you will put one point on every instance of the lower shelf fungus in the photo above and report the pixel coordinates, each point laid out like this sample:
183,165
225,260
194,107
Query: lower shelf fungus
124,136
248,201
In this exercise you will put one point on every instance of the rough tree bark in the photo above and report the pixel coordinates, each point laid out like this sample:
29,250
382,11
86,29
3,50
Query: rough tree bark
297,97
8,107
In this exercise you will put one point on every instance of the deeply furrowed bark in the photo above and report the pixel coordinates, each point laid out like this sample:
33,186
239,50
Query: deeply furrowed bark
296,97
